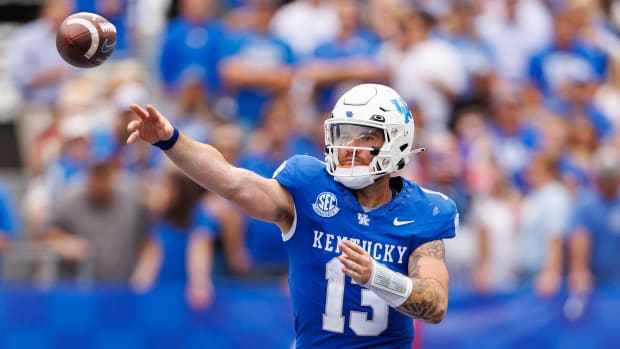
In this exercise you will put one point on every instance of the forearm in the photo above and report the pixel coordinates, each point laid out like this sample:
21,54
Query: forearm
199,260
429,277
554,259
207,167
422,294
204,164
68,246
428,300
579,248
415,296
147,267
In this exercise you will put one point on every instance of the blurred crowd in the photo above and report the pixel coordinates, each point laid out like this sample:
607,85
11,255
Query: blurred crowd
517,103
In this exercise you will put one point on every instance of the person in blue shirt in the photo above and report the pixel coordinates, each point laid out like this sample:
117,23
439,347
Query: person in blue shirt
181,250
365,248
351,56
594,242
191,46
255,65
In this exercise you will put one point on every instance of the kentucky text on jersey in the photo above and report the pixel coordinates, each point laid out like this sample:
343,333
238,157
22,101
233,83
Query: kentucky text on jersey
381,252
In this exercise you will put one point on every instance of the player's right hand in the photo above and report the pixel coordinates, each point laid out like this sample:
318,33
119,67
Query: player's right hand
151,126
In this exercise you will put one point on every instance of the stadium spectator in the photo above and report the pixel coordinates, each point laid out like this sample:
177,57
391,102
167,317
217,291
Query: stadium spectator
346,60
381,18
98,227
67,148
274,141
494,221
543,221
594,239
255,65
305,24
566,60
343,218
514,30
191,47
33,61
457,27
430,73
514,135
181,250
37,70
191,109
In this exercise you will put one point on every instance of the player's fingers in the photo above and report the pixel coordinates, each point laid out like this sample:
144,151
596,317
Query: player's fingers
355,247
352,271
133,125
153,113
348,263
133,137
351,248
138,110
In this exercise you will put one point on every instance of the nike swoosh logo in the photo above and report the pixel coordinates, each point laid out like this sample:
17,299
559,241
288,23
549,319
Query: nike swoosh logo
399,223
105,48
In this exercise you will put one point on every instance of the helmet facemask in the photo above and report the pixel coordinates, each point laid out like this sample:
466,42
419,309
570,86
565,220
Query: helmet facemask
364,111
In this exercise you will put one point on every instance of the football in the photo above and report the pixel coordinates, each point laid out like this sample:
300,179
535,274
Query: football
85,40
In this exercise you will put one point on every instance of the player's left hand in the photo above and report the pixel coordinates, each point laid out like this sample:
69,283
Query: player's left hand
356,261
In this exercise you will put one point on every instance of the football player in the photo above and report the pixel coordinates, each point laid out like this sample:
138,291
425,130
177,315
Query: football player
366,252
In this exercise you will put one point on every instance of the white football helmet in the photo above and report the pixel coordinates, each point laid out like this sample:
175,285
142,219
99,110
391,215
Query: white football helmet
370,106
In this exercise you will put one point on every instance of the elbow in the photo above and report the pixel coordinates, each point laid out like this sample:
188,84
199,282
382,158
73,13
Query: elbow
437,319
437,316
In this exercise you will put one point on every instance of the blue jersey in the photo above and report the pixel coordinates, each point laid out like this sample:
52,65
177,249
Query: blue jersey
601,219
332,311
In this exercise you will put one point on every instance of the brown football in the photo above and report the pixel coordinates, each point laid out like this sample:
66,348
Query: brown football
85,39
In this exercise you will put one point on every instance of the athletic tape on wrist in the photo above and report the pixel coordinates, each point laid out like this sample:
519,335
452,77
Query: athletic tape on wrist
391,286
165,145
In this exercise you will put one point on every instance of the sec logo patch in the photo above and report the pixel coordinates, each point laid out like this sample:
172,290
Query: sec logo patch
326,205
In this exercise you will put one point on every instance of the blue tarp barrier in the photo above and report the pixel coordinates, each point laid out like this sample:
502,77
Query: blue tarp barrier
523,320
259,315
244,315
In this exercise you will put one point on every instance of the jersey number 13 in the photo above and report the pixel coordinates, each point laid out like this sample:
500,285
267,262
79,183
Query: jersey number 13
333,320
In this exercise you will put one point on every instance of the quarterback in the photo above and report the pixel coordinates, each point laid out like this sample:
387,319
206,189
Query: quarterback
365,247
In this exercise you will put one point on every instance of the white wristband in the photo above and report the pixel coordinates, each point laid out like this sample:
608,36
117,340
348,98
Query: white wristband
391,286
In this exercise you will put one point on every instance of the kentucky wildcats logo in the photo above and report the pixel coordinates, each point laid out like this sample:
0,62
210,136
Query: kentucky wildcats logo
326,205
403,109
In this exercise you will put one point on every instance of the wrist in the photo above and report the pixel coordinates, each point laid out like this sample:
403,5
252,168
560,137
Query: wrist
167,144
393,287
